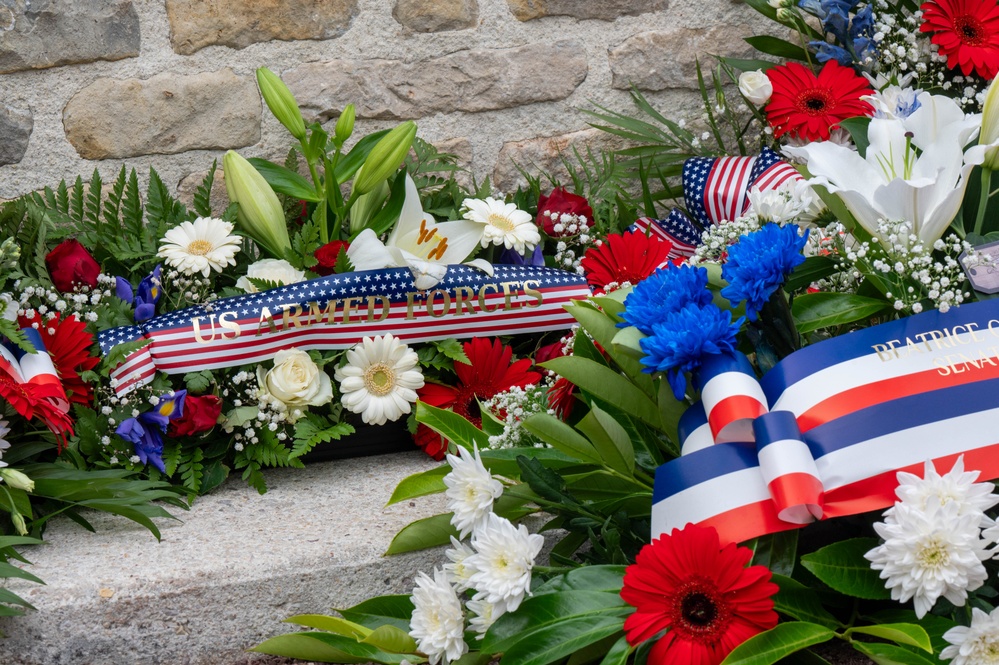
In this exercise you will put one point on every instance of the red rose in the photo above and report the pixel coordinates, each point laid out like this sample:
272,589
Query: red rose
70,264
326,255
561,202
201,413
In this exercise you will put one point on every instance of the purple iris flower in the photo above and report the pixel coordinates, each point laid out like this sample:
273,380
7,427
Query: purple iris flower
513,257
145,297
146,431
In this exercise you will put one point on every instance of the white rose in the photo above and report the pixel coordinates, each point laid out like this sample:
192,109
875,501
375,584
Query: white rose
756,86
272,270
8,307
295,380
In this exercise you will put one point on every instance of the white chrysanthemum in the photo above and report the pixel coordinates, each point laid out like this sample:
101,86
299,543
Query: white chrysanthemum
956,486
930,553
502,563
977,644
471,490
203,245
4,443
504,223
438,624
380,379
457,572
486,614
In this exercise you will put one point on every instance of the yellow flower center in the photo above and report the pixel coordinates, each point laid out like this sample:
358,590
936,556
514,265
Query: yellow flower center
502,222
933,554
379,379
199,247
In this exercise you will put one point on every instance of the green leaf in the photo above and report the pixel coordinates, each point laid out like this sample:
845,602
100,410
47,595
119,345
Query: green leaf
285,181
421,534
858,132
605,331
198,382
562,437
587,578
395,610
331,625
813,311
814,268
889,654
558,640
327,648
608,385
390,638
778,47
451,426
842,567
543,610
777,551
618,654
389,214
453,349
780,641
800,602
935,626
350,162
902,633
426,482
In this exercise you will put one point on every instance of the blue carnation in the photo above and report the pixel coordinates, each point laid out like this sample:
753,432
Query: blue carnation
664,292
758,263
679,343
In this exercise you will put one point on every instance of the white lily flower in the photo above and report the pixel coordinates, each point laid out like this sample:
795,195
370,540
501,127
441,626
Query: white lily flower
419,243
915,169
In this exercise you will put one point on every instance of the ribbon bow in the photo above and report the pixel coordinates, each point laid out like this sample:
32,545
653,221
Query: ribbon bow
826,431
33,386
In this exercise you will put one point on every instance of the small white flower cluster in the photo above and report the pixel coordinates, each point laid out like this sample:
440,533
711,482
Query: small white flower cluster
496,565
271,414
573,238
515,405
192,288
934,543
48,302
717,238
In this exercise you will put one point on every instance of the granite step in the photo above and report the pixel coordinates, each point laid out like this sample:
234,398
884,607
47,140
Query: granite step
225,575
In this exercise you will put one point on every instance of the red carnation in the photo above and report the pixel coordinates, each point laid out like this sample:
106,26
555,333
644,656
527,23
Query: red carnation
70,265
623,259
967,32
560,202
703,593
201,413
326,256
807,106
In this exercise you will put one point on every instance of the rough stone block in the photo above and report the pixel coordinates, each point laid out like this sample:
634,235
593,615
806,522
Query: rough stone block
166,114
48,33
471,81
545,154
15,130
219,197
604,10
436,15
195,24
663,60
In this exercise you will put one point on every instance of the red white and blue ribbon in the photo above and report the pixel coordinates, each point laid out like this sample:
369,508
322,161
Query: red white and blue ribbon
37,370
337,311
845,416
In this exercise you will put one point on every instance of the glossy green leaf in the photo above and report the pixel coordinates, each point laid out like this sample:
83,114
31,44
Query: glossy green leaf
901,633
609,439
285,181
562,437
778,47
842,567
814,268
395,610
778,642
426,482
587,578
421,534
800,602
328,648
826,309
604,330
503,462
350,162
390,638
330,624
607,385
890,654
451,426
562,639
935,626
618,654
857,127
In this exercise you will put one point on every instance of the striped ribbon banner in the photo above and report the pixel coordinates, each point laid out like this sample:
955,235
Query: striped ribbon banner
845,416
337,311
36,372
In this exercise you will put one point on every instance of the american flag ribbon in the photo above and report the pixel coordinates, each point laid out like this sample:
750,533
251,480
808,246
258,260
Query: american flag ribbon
843,417
715,190
337,311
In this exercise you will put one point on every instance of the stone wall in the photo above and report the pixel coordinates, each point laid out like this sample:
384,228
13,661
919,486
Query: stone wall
90,84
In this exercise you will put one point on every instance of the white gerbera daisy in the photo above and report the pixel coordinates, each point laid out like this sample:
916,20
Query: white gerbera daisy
456,570
380,379
200,246
503,560
471,490
438,624
930,553
504,224
977,644
486,614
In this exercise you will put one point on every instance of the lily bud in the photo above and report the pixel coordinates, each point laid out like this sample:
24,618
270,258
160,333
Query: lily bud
19,525
365,206
281,102
260,214
385,157
17,480
990,126
344,125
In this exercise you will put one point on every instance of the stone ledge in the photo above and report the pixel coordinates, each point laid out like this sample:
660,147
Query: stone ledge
222,580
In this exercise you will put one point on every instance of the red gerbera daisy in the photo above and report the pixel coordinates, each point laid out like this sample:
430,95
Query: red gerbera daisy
488,373
967,32
68,343
807,106
37,399
703,593
622,259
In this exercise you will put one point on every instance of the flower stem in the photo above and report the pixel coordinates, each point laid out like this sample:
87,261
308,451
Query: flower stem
983,200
